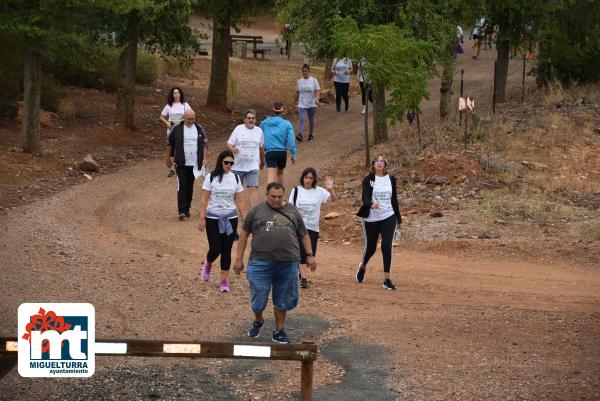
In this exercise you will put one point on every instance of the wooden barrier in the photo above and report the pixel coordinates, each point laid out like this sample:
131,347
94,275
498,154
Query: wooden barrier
304,352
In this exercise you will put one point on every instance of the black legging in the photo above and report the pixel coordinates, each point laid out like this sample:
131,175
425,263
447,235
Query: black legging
341,92
372,230
363,89
219,244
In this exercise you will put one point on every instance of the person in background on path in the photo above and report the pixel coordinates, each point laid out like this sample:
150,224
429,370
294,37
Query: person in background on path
477,34
172,113
188,146
276,227
308,198
365,86
285,30
381,216
341,69
221,193
458,49
279,136
307,101
247,144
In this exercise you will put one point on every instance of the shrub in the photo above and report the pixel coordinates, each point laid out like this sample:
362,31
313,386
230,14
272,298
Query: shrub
66,108
146,70
51,93
101,70
11,74
176,68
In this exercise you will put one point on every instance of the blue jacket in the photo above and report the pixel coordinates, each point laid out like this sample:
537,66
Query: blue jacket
279,134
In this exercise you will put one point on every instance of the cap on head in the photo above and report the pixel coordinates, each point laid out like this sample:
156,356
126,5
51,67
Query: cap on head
278,107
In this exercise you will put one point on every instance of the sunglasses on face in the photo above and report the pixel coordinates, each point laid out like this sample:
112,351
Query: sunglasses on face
228,163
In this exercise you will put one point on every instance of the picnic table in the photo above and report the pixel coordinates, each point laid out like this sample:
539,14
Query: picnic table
254,40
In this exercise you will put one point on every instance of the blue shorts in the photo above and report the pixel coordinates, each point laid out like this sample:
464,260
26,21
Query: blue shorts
282,276
276,158
248,178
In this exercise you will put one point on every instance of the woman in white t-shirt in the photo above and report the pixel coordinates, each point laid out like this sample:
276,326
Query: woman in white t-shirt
172,113
307,98
308,198
341,69
381,218
219,205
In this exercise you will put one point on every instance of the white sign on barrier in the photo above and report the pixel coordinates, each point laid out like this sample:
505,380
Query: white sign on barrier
252,350
466,104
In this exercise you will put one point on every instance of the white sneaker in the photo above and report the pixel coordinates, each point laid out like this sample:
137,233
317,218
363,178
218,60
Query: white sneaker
363,110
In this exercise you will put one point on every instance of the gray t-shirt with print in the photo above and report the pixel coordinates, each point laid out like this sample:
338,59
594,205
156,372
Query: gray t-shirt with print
274,236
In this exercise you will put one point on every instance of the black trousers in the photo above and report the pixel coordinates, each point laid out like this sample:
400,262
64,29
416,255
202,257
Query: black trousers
372,231
341,92
220,244
363,91
185,188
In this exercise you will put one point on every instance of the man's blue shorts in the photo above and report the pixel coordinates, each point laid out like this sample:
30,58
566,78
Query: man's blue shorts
282,276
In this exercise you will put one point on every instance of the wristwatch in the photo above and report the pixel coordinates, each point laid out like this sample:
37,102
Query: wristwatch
310,254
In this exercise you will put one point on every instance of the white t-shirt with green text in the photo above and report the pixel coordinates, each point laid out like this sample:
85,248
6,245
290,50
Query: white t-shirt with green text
222,194
382,194
248,141
308,203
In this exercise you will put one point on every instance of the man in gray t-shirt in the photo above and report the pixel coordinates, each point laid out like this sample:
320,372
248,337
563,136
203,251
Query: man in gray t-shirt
274,257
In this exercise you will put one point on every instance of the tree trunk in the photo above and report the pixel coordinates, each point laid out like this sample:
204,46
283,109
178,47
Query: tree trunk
502,70
328,75
127,67
380,129
219,67
446,89
32,90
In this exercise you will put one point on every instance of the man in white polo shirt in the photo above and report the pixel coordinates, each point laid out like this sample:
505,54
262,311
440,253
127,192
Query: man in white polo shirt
247,144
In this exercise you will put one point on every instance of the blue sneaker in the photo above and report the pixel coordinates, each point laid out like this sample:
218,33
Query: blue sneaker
280,337
255,328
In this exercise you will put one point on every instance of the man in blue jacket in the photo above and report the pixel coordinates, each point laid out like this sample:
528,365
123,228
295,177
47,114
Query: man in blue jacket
279,136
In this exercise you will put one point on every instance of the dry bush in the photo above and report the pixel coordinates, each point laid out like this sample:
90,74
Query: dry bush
534,208
175,68
66,108
589,231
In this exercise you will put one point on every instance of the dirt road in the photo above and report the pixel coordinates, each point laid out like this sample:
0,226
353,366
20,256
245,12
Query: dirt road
456,329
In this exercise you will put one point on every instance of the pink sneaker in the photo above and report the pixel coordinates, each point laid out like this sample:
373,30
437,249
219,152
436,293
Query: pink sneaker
224,286
206,271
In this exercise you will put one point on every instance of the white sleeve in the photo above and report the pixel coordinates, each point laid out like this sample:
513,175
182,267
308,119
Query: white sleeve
239,187
316,83
165,111
186,104
262,136
207,184
233,137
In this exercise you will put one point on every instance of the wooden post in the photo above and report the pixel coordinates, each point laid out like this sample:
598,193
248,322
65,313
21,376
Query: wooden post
367,151
494,92
462,85
523,83
306,385
466,124
419,127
